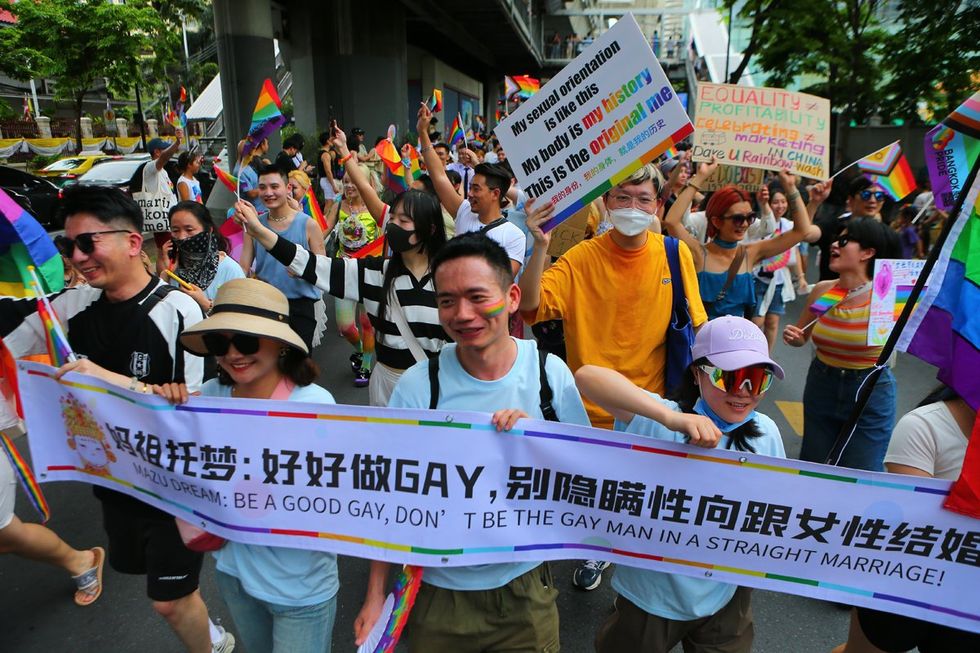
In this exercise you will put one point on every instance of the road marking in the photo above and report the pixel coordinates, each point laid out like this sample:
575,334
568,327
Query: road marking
793,412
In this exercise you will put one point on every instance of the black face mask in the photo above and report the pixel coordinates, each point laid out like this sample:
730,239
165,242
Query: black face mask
398,239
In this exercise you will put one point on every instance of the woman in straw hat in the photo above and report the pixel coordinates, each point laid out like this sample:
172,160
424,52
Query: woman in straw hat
281,599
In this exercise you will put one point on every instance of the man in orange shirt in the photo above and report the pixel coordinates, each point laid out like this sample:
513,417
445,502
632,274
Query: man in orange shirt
614,295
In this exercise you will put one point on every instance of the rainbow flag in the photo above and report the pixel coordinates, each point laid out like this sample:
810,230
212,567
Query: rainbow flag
435,101
951,148
233,231
27,480
888,168
405,591
902,294
59,351
399,171
374,248
944,330
456,134
312,209
227,179
24,242
523,86
266,119
671,152
828,300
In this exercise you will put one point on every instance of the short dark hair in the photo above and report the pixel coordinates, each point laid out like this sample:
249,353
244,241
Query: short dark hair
871,233
477,245
273,169
454,177
858,184
203,217
107,204
426,181
324,138
295,140
441,145
185,159
497,178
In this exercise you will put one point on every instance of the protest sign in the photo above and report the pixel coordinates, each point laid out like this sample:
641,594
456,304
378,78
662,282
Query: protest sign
768,128
444,488
893,283
570,232
748,179
603,116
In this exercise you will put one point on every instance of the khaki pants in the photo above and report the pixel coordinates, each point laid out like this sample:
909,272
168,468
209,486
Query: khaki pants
630,628
519,617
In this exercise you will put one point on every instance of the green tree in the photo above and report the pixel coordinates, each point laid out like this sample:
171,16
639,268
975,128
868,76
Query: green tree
933,59
77,44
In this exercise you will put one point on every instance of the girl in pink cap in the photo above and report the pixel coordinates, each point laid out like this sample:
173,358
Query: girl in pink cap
715,407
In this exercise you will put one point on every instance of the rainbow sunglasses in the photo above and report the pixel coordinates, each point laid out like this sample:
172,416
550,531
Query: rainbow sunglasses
757,378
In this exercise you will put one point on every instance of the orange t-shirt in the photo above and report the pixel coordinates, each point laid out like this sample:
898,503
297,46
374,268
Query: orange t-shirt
615,304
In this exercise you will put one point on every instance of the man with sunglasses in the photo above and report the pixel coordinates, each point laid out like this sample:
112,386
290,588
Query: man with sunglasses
864,199
124,327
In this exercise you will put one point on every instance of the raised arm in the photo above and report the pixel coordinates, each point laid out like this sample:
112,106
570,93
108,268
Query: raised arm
801,224
538,212
170,151
437,172
674,219
818,195
370,196
617,395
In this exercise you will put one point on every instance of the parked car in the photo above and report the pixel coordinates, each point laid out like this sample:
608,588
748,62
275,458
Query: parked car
70,167
38,196
115,171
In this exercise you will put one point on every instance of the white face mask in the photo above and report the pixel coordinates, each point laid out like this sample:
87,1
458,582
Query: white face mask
632,221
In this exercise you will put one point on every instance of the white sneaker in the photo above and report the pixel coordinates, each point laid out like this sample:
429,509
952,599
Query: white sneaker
226,644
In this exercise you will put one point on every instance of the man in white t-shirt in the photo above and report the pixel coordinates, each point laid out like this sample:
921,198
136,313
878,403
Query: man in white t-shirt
481,210
155,178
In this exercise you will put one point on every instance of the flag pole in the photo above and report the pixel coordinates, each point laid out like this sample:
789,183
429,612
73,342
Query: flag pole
857,161
868,385
55,321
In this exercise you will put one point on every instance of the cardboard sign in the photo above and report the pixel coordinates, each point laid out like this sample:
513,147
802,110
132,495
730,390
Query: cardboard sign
767,128
748,179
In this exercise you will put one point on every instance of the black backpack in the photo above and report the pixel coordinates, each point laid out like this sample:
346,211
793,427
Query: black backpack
545,395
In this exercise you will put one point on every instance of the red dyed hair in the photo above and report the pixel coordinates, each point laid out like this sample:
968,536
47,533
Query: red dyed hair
722,200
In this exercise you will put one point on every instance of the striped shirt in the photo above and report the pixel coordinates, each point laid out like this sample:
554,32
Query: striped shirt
841,337
361,280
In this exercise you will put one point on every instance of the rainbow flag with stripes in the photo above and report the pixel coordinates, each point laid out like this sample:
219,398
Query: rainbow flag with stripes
828,300
24,242
944,330
266,119
228,180
435,101
889,169
312,208
374,248
26,478
902,294
405,591
523,86
951,149
456,134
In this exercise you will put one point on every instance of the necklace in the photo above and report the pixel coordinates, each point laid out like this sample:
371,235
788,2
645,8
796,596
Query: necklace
273,218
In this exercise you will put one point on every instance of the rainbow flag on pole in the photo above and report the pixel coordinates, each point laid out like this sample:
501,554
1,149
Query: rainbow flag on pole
951,148
228,180
888,168
456,134
266,119
312,208
435,101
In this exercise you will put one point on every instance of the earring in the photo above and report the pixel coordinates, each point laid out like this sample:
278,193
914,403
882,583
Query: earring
283,352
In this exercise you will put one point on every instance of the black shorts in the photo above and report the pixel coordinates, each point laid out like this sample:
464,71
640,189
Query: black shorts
896,633
143,540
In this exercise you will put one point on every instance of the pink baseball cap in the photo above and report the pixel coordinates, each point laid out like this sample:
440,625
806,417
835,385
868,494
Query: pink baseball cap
731,343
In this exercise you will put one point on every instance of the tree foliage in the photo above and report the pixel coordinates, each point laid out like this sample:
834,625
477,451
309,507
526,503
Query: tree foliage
77,44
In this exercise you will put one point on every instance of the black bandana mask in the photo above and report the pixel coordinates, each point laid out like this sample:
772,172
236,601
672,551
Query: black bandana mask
197,258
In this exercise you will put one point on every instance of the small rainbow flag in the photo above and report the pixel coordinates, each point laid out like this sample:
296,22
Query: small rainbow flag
828,300
671,152
456,134
26,478
777,262
183,95
889,169
374,248
523,86
902,294
58,348
227,179
435,101
405,591
266,119
312,209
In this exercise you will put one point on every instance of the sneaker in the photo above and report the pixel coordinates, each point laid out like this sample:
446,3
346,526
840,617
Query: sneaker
226,644
356,360
362,378
589,574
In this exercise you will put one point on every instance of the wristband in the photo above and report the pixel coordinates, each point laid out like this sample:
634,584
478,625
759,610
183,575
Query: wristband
426,148
344,160
792,197
694,186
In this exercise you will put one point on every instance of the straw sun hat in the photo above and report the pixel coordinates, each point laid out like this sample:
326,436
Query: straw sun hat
246,306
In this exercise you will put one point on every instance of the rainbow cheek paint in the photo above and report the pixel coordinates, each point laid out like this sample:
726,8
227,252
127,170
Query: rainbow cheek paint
493,310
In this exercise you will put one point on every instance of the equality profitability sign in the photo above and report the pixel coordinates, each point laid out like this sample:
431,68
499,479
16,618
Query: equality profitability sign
596,122
768,128
444,488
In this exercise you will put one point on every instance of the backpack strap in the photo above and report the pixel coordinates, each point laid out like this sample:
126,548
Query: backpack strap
434,382
546,395
493,225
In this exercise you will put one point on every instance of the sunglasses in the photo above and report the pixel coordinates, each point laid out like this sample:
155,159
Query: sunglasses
84,242
868,194
843,240
756,378
741,218
217,344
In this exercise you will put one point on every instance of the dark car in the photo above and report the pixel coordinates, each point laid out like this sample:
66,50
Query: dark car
114,171
38,195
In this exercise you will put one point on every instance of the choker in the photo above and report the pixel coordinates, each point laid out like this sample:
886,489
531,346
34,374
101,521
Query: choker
272,218
725,244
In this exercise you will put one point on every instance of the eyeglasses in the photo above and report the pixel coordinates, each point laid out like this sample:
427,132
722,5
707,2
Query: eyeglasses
756,378
624,199
741,218
868,194
85,242
217,344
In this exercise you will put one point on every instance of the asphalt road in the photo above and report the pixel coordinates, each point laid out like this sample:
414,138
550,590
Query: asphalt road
38,616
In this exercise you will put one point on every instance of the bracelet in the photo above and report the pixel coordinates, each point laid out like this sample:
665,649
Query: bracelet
426,148
792,197
694,186
344,160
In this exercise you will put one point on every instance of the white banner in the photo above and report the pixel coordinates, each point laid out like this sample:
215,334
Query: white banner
596,122
444,488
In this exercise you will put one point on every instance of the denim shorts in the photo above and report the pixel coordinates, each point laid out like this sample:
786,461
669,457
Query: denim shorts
776,306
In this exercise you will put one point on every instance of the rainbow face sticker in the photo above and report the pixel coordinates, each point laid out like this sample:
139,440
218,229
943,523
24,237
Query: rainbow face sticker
495,309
